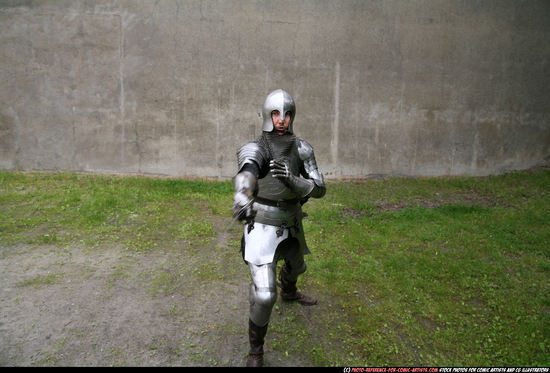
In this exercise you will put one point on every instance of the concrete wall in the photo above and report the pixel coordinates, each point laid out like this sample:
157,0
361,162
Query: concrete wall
174,87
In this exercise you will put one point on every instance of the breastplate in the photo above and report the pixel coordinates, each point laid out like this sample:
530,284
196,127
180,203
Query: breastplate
270,187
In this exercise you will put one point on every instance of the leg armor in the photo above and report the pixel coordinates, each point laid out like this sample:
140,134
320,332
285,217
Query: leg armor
263,292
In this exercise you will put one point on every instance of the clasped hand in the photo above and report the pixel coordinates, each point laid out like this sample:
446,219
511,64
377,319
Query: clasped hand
280,170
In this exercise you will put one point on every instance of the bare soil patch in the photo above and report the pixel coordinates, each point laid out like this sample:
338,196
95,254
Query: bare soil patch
470,198
110,306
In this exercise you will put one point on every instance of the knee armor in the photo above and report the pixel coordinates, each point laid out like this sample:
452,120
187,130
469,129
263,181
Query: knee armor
263,292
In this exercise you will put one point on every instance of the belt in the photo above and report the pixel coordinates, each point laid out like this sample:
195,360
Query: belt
285,203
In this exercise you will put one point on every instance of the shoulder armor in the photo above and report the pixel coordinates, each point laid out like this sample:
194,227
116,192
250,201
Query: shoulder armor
249,153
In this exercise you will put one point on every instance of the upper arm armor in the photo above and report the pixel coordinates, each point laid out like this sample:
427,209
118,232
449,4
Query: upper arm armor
311,171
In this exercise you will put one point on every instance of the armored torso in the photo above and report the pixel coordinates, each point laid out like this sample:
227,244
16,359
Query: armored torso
278,208
278,148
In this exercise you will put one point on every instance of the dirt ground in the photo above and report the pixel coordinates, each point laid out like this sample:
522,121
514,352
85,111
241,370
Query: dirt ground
111,306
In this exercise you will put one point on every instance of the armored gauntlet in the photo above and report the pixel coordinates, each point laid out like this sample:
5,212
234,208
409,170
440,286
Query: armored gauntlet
281,170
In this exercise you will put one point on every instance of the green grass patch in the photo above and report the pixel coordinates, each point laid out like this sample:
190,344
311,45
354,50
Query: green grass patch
409,271
42,280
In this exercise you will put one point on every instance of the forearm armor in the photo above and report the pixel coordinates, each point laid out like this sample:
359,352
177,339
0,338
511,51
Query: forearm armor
246,189
311,172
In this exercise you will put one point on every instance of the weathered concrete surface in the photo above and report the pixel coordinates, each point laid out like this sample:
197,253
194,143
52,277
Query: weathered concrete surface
174,87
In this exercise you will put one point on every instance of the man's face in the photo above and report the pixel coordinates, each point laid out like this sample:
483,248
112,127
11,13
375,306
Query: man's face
279,123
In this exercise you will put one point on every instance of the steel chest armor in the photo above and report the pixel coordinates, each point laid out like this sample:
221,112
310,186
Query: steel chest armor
277,203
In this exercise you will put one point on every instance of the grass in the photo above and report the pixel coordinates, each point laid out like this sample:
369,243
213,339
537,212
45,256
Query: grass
40,280
412,271
447,271
142,213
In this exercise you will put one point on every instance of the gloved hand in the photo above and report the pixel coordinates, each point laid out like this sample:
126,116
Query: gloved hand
242,207
281,170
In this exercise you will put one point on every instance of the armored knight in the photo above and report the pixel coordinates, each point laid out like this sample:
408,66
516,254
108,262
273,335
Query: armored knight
277,173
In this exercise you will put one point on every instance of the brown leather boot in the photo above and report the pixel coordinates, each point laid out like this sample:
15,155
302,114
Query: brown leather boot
256,335
289,291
